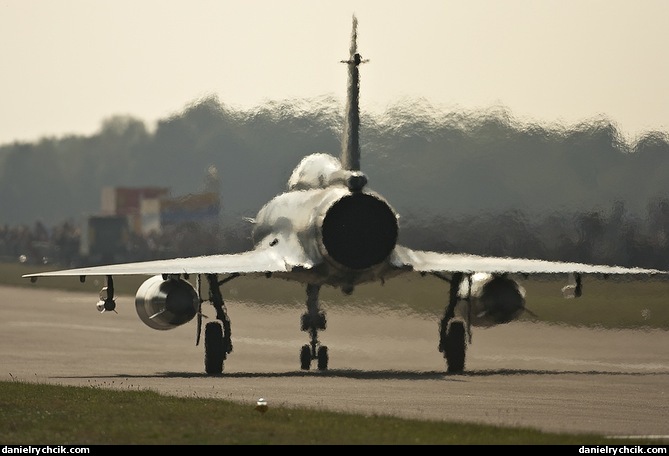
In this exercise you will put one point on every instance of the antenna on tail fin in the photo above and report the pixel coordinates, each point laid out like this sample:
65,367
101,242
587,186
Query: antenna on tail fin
350,153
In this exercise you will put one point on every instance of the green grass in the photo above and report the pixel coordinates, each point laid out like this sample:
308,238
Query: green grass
51,414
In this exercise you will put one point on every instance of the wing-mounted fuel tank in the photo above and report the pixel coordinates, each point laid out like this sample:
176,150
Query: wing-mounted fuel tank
495,299
166,303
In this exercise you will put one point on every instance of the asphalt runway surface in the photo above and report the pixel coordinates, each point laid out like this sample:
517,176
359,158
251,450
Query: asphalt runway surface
547,377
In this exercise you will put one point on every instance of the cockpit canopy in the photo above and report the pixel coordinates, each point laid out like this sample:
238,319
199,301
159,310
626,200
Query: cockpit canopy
315,171
321,170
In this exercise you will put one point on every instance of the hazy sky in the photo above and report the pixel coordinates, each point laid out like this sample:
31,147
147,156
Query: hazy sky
69,64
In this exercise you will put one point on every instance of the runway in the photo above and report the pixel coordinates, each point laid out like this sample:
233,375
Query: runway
533,375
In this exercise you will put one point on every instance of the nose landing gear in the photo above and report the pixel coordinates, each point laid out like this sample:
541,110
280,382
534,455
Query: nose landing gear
312,321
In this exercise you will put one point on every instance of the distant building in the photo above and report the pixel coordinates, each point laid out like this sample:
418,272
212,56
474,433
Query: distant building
127,201
104,239
151,209
201,208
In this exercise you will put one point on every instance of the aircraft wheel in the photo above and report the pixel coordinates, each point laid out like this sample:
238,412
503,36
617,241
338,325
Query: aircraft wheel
305,357
213,348
323,358
456,345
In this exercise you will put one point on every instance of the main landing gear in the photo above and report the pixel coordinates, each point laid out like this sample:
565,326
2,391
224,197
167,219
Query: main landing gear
452,331
217,334
312,321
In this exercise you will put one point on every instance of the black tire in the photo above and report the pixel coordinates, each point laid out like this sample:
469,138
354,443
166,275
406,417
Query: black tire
323,358
214,352
305,357
456,346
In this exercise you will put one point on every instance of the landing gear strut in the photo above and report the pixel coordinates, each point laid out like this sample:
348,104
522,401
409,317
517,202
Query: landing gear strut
452,332
217,334
107,301
312,321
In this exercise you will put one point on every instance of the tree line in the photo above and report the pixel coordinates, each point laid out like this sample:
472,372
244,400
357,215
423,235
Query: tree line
480,182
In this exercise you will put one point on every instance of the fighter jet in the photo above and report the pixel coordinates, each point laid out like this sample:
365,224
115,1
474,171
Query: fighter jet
329,228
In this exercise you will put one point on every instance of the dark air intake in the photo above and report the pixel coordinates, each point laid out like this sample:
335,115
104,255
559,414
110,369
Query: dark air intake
501,300
359,231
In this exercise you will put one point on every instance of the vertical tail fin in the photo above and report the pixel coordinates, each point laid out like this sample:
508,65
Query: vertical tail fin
350,153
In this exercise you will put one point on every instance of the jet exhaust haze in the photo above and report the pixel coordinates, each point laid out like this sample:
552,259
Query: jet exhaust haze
329,229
